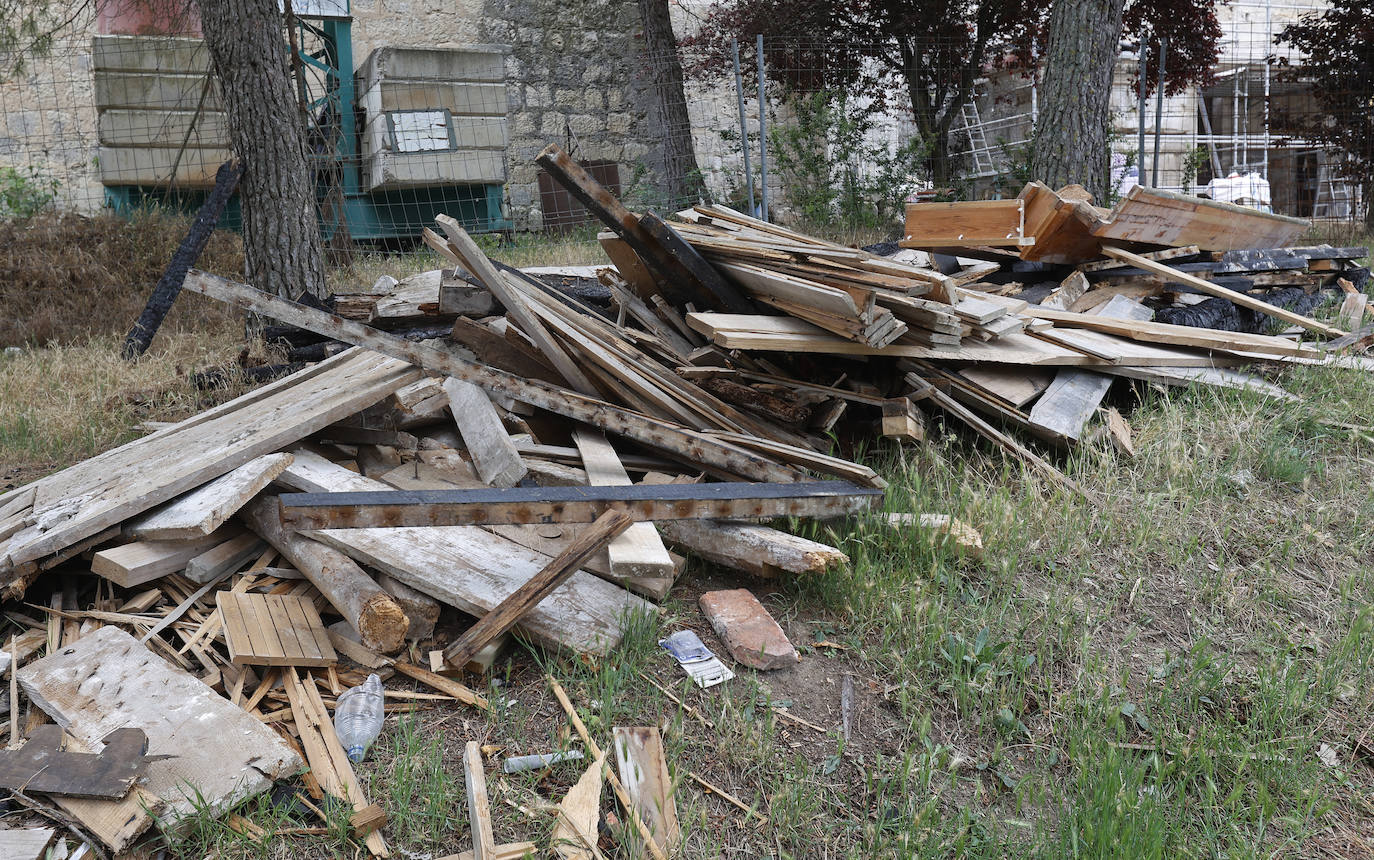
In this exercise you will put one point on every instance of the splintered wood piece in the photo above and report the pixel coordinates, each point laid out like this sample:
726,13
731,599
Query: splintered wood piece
644,771
216,755
413,508
498,463
328,761
274,630
205,508
575,829
42,766
479,812
524,598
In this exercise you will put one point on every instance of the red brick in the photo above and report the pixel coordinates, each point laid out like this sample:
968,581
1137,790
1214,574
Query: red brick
750,634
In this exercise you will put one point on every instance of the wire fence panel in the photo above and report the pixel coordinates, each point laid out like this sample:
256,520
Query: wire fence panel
107,121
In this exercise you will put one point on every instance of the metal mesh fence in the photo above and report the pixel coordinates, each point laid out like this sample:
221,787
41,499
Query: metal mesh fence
121,122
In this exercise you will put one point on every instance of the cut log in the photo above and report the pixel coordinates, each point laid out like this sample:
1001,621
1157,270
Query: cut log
474,570
370,610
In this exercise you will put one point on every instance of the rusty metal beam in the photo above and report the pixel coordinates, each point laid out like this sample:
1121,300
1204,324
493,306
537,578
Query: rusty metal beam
525,505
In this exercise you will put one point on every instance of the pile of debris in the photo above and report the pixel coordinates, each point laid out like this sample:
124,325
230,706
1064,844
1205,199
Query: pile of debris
446,445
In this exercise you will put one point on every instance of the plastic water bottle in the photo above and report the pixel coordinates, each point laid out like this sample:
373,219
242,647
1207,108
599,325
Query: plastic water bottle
358,717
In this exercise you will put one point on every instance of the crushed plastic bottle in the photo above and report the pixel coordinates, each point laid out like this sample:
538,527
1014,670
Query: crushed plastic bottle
358,717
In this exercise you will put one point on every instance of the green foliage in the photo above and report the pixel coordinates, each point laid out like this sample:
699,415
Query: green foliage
822,154
1192,164
24,194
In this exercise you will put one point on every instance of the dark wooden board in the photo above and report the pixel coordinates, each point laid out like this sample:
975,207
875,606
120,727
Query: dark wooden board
522,505
42,767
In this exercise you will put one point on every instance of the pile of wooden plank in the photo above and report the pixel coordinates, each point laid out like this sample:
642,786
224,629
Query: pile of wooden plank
542,458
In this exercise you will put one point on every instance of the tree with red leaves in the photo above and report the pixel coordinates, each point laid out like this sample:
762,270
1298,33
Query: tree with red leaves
1339,66
933,50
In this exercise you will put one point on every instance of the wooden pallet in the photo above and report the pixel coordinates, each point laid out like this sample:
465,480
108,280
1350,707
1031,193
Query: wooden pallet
274,630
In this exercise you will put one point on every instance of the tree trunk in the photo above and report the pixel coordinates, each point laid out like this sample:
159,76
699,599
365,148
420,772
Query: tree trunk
681,178
1070,142
281,233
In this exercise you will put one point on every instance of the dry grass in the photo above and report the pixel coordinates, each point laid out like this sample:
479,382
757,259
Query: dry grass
66,277
60,404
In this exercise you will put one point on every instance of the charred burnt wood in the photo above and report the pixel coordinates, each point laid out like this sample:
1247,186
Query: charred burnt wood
169,285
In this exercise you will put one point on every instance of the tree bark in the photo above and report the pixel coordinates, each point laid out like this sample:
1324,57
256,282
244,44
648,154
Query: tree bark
1071,134
681,177
281,232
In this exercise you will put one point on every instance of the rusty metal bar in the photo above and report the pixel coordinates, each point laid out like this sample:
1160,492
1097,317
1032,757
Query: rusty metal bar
525,505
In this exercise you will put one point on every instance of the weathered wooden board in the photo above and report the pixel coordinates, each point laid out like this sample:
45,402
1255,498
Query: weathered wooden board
498,463
225,558
27,844
117,485
976,222
639,553
1158,217
218,755
474,570
205,508
273,630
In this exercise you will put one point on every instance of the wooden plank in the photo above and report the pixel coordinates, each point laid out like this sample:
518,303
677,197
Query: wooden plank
216,754
692,446
477,263
974,222
117,823
117,485
1144,331
1211,289
725,500
205,508
133,564
1351,315
670,258
273,630
479,812
1017,386
26,844
1070,401
498,463
473,570
330,759
1158,217
644,772
639,552
224,558
509,611
43,767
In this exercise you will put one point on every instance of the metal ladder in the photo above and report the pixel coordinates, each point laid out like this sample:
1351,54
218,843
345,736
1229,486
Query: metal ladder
1334,198
983,165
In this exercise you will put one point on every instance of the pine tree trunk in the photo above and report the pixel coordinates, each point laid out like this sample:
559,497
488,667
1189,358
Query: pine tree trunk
681,178
281,233
1070,143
